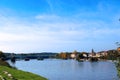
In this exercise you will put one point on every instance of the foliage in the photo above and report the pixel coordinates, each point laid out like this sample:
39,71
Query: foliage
63,55
112,55
118,66
2,55
81,56
4,63
104,57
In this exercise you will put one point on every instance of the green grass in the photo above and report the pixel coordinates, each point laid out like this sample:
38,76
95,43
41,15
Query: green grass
118,70
18,74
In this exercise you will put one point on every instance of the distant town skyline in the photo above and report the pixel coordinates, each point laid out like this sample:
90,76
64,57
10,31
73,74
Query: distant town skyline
59,25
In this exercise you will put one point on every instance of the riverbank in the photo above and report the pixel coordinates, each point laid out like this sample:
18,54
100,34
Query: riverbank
118,68
7,73
118,71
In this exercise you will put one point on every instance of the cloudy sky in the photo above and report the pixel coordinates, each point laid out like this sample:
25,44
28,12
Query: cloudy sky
59,25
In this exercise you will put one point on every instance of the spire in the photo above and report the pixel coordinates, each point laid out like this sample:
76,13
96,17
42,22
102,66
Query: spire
93,53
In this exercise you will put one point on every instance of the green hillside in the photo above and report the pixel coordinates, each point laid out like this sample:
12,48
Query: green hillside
7,73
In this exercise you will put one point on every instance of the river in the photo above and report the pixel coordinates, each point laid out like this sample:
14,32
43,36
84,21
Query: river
56,69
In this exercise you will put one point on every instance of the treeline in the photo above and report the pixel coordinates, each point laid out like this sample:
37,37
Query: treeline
110,55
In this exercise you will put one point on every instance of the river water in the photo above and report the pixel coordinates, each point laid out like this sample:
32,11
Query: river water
56,69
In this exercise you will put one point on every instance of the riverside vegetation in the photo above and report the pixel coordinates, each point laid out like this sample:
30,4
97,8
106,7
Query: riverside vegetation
9,73
118,66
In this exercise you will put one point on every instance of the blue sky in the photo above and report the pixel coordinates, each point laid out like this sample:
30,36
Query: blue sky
59,25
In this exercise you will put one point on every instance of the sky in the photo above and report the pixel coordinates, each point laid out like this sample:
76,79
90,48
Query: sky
59,25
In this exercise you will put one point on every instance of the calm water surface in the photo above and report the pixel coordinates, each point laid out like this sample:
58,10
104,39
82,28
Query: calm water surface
55,69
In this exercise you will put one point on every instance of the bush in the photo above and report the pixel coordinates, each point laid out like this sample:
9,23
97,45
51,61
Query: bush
4,63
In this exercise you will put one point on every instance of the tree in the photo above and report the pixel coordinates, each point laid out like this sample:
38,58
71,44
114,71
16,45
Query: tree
74,52
2,54
81,56
112,54
63,55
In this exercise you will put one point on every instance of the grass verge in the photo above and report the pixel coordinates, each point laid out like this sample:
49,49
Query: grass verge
17,74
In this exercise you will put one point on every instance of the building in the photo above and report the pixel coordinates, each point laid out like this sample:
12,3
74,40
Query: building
92,54
74,54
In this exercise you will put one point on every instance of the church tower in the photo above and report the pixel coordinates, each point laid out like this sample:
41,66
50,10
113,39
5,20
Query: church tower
93,53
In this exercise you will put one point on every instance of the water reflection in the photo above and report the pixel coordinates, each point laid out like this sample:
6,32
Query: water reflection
70,69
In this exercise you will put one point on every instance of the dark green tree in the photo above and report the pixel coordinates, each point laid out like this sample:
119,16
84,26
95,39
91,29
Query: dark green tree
2,56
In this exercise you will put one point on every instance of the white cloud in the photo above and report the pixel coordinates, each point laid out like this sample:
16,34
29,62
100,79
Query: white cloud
20,35
47,17
10,37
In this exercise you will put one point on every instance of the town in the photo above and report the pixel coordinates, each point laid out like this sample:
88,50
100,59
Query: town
79,56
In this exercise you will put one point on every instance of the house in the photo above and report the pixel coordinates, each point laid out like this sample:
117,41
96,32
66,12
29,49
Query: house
104,53
74,54
85,55
98,55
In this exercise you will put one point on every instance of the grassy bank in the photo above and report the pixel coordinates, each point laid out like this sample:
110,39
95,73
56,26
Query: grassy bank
12,74
118,68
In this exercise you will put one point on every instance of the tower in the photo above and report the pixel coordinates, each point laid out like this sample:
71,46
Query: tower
93,53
